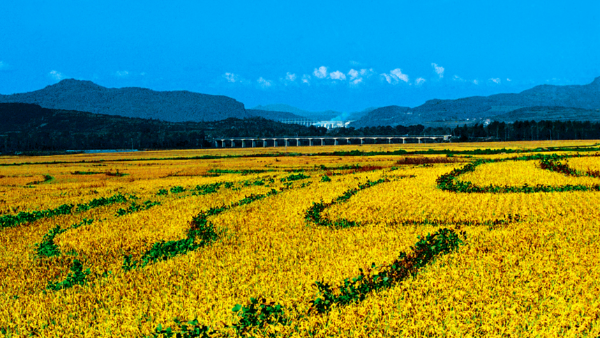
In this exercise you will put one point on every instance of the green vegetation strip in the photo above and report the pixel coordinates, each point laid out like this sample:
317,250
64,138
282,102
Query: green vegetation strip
47,179
447,152
7,221
47,247
255,317
231,171
553,163
200,234
77,276
491,224
450,182
294,177
313,215
134,207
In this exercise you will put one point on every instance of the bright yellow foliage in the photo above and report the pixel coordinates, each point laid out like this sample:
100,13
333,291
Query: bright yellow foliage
528,267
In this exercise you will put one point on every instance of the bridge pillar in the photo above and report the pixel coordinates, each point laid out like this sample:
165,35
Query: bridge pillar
243,143
348,141
322,142
310,142
403,140
337,143
253,143
297,142
224,144
265,143
362,141
286,142
418,138
232,143
274,143
216,144
389,140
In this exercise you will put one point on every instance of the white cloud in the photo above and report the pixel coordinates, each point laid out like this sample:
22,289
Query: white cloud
419,81
509,80
355,63
395,76
387,77
366,72
264,83
495,80
56,75
290,77
476,82
230,77
439,70
306,79
356,82
357,76
320,72
353,74
337,75
398,74
122,73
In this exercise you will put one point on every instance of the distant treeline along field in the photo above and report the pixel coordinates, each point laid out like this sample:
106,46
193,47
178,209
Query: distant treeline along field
31,128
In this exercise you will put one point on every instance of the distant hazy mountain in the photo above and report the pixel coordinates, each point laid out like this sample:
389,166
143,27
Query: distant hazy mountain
388,116
550,114
274,115
173,106
327,115
553,98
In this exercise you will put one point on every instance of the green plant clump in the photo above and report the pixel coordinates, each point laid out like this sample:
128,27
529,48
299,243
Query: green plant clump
47,247
134,207
294,177
77,276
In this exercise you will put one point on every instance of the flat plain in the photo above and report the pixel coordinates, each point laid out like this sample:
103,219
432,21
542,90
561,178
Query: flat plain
457,240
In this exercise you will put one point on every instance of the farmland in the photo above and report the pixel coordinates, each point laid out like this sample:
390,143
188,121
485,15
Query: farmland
353,241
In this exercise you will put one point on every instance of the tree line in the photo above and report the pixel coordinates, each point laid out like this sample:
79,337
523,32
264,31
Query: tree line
154,134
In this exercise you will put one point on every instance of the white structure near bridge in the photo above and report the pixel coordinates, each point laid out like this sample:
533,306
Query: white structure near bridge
322,140
325,124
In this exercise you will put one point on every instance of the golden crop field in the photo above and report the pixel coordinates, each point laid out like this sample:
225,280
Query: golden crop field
456,240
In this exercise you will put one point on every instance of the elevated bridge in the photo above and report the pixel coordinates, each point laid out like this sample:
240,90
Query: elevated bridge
243,142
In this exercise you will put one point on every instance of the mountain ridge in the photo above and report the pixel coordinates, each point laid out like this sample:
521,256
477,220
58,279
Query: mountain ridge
172,106
585,97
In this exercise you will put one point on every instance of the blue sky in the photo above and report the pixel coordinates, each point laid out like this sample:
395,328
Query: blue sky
315,55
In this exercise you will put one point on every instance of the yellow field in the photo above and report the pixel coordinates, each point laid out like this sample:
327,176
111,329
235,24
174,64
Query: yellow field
526,262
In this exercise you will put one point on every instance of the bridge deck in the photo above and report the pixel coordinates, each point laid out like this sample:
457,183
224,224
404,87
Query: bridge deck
310,140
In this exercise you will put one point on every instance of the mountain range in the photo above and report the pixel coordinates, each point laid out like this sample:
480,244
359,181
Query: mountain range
544,102
172,106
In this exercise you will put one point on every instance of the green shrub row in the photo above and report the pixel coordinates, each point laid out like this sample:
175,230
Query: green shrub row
260,313
450,182
65,209
201,233
294,177
354,290
134,207
47,247
77,276
313,214
231,171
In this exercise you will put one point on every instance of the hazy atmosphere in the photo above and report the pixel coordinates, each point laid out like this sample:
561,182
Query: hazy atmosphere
313,55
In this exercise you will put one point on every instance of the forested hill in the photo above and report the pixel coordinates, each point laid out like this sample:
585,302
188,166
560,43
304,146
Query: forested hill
27,127
173,106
